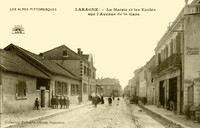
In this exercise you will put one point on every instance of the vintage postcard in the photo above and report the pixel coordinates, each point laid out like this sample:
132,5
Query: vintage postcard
100,63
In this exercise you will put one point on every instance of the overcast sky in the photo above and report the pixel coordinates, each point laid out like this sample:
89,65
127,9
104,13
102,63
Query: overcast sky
120,44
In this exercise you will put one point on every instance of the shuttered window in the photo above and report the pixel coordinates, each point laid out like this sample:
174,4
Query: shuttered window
178,43
21,89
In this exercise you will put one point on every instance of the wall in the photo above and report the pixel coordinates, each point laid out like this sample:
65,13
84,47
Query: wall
191,52
69,81
9,82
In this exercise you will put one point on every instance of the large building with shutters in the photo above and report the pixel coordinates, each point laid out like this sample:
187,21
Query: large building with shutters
177,59
79,64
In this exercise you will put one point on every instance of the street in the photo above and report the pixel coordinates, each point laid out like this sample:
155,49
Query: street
104,116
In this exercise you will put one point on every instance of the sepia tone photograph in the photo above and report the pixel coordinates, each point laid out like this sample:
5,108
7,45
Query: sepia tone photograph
100,64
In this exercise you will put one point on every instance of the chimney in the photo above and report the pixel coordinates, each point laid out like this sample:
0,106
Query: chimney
41,54
79,51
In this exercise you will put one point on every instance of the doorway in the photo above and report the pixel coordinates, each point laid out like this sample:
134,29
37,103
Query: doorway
42,98
173,91
162,93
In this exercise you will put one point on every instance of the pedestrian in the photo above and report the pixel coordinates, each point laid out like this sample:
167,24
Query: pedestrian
67,102
110,101
53,102
102,100
118,101
56,102
95,101
79,100
64,102
61,102
37,104
113,97
171,102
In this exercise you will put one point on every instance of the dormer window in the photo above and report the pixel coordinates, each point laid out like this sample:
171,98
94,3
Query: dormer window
65,53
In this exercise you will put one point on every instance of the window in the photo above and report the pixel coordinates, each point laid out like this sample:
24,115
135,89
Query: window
85,72
77,90
58,88
171,47
74,89
65,88
65,53
93,75
61,88
21,90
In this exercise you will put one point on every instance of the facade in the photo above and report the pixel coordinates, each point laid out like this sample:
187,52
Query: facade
19,82
151,71
79,64
109,86
191,61
62,82
177,60
142,83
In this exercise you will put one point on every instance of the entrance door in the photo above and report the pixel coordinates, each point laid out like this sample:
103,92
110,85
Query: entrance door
173,90
162,94
42,98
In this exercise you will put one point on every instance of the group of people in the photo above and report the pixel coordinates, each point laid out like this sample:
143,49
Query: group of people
110,99
64,103
55,101
100,100
97,100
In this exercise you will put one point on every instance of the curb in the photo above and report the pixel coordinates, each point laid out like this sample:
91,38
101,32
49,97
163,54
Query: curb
49,115
165,117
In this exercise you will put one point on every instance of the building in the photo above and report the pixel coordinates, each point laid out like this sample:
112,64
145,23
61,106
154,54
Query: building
19,83
151,71
62,82
79,64
109,86
191,54
177,59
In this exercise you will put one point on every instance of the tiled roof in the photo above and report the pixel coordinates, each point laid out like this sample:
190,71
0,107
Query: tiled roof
57,53
48,64
13,63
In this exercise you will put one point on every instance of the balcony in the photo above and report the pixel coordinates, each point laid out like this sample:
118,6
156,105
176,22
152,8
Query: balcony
171,62
192,9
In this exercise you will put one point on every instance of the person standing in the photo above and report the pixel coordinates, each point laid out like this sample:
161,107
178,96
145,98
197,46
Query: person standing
113,97
61,102
56,102
37,103
102,100
67,102
118,101
110,101
64,102
79,100
95,101
53,102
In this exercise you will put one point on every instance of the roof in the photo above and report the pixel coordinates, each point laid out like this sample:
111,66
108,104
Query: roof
57,53
51,66
107,81
13,63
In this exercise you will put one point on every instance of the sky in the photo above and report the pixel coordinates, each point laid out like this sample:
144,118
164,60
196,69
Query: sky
119,44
